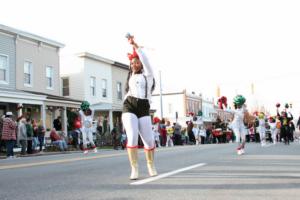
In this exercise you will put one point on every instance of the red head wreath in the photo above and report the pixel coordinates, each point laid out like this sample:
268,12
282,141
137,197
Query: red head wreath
133,55
222,101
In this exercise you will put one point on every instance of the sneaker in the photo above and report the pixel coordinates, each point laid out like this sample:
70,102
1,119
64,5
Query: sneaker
95,150
242,151
239,152
85,152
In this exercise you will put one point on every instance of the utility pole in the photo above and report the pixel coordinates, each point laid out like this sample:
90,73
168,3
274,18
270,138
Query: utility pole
160,94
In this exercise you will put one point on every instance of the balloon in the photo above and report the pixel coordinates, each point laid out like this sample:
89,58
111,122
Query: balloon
77,124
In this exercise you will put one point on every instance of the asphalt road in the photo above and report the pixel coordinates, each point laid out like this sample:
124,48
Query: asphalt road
185,172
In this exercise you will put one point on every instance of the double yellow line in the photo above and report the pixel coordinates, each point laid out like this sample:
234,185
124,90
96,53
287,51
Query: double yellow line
15,166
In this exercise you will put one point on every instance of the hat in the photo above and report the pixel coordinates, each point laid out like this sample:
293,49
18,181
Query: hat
8,113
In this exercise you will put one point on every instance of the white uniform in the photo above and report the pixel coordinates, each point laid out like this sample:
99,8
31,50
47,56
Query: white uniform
86,129
196,134
262,130
238,125
273,130
156,134
170,132
137,89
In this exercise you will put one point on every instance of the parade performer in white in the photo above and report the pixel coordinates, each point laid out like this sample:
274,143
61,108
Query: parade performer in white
241,116
155,128
262,128
86,116
136,109
273,129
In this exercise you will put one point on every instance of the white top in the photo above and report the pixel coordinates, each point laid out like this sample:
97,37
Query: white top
86,121
196,132
238,119
262,123
137,82
272,125
202,132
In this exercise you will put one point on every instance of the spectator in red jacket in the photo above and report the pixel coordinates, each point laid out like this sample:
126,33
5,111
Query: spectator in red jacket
9,134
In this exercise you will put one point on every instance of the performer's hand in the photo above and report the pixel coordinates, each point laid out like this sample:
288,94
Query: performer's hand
131,40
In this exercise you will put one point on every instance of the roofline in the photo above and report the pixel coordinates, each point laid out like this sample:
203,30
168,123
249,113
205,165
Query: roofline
121,65
51,97
13,31
95,57
171,93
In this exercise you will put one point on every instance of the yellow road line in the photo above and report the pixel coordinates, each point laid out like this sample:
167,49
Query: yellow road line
15,166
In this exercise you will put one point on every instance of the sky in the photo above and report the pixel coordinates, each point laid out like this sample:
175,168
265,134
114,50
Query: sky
196,45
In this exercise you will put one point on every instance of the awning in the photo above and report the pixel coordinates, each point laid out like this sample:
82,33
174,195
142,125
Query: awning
59,101
22,97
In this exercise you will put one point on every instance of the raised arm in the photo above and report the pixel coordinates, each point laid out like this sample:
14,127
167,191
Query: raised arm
92,113
143,57
81,113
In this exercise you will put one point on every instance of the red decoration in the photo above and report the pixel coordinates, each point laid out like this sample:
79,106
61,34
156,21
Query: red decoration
222,101
156,120
191,114
133,55
277,105
77,124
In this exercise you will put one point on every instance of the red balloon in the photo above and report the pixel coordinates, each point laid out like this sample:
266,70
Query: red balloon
156,120
77,124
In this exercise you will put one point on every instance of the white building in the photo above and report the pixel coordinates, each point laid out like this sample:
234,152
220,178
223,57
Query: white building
29,77
181,103
95,79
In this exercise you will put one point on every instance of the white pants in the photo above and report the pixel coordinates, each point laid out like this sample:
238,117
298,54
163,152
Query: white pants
262,134
87,133
240,132
169,140
274,134
156,138
135,126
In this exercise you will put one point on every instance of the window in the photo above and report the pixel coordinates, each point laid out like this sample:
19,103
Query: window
27,73
3,68
104,88
119,90
49,77
93,86
65,89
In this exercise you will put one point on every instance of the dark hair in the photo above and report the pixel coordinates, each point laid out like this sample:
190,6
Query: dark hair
88,112
130,74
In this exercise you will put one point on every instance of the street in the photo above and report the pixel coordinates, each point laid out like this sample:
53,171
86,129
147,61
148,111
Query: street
185,172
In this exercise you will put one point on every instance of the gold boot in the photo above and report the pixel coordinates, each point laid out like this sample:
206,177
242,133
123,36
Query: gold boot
150,162
133,159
